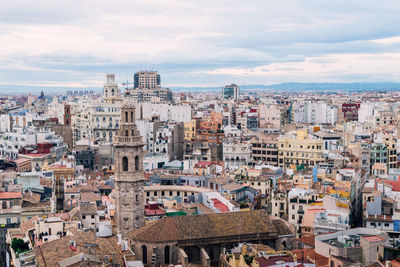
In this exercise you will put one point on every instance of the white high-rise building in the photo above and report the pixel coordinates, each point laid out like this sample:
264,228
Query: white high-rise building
315,113
366,112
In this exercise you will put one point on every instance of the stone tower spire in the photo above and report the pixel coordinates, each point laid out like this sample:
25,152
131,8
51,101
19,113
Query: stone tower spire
129,176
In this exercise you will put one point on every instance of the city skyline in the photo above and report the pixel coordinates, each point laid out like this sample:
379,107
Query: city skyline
199,44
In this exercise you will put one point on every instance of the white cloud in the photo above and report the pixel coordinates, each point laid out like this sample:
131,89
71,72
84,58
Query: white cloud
329,68
199,42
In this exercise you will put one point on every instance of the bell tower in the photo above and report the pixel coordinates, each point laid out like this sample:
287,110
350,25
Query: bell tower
129,176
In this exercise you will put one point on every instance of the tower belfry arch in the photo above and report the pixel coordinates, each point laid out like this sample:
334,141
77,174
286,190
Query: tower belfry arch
129,175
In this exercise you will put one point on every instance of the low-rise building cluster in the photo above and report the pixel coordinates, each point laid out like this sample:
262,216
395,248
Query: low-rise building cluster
150,177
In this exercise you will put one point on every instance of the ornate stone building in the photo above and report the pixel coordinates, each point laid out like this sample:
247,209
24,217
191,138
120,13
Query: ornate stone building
129,175
200,239
111,92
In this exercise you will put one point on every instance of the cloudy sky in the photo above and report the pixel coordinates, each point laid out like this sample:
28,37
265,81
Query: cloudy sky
199,43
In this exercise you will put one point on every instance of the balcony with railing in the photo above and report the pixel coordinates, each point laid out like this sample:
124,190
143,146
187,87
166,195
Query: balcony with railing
330,225
128,140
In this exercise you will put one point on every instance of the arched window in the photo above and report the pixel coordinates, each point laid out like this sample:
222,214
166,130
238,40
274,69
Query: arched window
126,133
131,116
137,163
125,164
133,133
126,116
144,254
166,254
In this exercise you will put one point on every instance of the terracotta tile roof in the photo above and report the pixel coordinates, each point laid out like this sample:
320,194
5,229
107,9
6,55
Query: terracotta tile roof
90,197
219,180
75,213
89,187
51,253
310,255
88,208
71,190
10,195
63,215
28,225
46,182
31,197
233,186
210,226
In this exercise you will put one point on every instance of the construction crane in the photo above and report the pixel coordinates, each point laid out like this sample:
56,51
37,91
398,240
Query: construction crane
126,85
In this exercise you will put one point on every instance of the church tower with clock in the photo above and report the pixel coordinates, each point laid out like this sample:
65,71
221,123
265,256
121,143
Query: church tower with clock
129,175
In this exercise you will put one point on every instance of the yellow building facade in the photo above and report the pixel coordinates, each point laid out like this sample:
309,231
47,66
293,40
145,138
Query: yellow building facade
190,130
298,149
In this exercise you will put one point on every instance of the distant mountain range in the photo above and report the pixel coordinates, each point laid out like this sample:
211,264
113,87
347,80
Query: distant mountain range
295,86
290,86
32,89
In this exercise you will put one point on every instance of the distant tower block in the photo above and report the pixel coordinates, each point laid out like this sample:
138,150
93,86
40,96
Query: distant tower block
230,91
129,175
147,79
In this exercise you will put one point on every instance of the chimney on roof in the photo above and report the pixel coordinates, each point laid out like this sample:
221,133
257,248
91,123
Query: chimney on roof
114,261
119,238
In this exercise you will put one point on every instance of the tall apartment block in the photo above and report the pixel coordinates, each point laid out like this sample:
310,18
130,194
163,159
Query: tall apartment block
230,91
147,79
